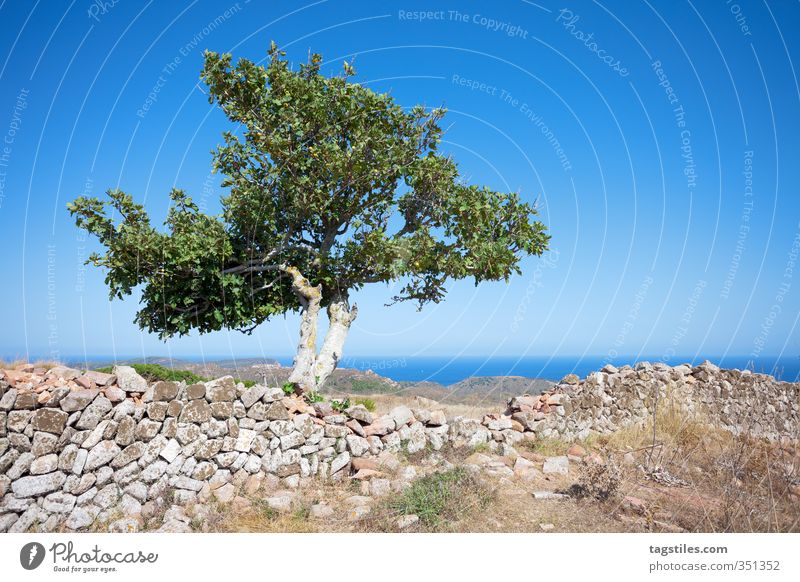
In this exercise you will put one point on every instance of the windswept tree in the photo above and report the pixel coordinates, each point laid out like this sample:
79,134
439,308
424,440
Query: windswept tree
331,187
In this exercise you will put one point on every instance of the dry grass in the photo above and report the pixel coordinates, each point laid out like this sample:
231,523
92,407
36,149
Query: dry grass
19,364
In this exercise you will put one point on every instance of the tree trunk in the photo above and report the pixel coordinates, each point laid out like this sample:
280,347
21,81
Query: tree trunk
340,316
311,370
303,368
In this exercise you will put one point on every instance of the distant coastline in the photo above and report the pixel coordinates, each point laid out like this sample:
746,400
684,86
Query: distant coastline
448,370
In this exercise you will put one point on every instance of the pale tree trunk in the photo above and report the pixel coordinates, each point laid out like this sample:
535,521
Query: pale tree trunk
340,316
311,370
303,368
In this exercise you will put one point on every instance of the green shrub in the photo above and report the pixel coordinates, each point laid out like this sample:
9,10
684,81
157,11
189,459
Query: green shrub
288,388
367,403
157,372
312,397
340,405
442,497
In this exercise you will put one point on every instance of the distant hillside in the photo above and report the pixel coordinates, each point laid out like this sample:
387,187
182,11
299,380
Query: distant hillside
352,381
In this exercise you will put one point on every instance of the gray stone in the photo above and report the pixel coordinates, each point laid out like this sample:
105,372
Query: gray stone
21,465
357,445
147,429
129,380
82,517
171,451
340,462
195,411
221,390
78,399
59,502
557,465
45,464
125,431
165,391
93,413
101,454
129,454
49,420
35,485
253,395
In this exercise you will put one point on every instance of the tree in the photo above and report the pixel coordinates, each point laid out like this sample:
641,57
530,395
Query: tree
331,187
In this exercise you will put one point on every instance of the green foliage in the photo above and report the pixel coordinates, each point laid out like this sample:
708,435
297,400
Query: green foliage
288,388
442,497
314,396
369,386
157,372
367,403
340,405
326,177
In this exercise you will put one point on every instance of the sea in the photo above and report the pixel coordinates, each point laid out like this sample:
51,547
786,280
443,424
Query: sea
448,370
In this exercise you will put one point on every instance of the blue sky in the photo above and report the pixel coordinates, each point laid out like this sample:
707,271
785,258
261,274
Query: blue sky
660,139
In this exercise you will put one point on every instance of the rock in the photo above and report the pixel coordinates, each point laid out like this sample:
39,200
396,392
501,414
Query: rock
171,451
196,391
401,415
549,495
196,411
78,400
26,400
360,413
357,445
35,485
320,511
59,502
281,503
556,465
226,493
82,517
571,379
546,526
437,418
93,413
221,390
20,463
253,395
341,461
101,454
129,380
49,420
43,443
129,454
46,464
406,521
165,391
100,378
634,504
381,426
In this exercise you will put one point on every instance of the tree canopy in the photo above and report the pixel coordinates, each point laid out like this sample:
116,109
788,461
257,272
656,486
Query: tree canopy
331,186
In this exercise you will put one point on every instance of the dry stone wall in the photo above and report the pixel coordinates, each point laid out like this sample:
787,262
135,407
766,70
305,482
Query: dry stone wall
85,450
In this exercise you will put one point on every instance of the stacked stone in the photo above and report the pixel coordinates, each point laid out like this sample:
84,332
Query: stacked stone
614,398
78,457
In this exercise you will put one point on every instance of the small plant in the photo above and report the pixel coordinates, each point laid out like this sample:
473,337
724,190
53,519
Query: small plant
314,396
288,388
340,405
442,497
598,480
367,403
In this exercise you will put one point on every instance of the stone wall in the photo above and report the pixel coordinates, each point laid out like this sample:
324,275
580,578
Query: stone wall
80,450
735,400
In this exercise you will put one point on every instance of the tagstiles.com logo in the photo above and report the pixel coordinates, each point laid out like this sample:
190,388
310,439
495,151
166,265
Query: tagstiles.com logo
67,559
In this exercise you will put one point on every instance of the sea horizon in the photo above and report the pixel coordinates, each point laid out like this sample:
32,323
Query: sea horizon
448,370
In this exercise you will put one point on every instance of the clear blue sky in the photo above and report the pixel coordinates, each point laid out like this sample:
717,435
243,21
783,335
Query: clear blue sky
660,138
